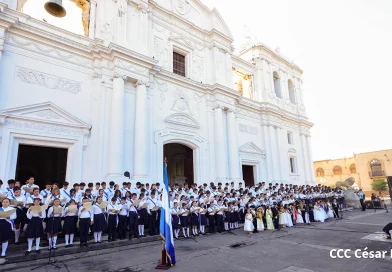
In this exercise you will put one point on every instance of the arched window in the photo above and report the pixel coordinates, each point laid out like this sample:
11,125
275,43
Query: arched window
353,169
376,168
277,85
337,170
320,172
292,92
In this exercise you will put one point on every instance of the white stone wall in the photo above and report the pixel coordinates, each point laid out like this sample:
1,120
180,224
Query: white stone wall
113,101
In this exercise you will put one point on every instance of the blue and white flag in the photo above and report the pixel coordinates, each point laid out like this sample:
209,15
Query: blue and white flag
166,220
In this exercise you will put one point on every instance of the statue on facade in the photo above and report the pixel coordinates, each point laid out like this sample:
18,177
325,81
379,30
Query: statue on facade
347,184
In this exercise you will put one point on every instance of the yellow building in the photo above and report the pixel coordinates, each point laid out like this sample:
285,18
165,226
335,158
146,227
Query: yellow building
364,167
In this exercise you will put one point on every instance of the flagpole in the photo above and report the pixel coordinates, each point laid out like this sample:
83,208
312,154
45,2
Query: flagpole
164,265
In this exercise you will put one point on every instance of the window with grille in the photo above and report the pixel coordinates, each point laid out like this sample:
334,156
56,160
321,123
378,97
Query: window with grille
375,166
178,64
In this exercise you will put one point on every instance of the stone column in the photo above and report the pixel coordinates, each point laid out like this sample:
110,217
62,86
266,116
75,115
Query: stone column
311,178
272,154
93,11
304,160
220,160
116,138
234,162
141,136
2,40
258,80
267,148
277,133
122,8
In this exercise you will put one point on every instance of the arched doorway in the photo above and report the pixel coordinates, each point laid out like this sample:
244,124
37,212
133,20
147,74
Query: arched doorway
180,163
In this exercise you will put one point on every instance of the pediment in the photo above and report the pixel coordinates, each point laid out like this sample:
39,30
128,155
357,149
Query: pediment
181,119
46,112
251,147
219,24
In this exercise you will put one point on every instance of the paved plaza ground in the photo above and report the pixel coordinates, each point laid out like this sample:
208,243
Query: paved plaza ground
304,248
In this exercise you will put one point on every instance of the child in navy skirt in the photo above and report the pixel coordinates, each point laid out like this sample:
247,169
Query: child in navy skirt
53,224
34,229
231,216
184,220
20,213
203,219
175,220
142,215
7,226
70,221
195,217
227,216
99,221
237,216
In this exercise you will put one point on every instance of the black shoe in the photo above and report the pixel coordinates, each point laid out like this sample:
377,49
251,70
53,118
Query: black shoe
54,248
85,245
27,253
95,243
3,256
109,240
70,245
38,251
66,246
17,243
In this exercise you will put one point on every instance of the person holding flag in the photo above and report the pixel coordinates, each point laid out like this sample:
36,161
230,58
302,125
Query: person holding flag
166,232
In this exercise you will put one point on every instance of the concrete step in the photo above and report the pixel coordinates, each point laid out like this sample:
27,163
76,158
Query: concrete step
16,253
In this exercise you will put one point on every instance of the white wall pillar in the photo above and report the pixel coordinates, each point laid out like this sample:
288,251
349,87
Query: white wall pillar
258,84
220,160
267,164
234,162
272,156
304,158
311,178
141,137
116,138
93,11
279,167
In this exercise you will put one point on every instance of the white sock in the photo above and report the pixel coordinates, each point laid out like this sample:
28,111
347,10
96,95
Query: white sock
54,241
17,234
4,248
99,236
142,229
29,243
50,242
71,237
37,240
66,239
95,236
187,230
183,232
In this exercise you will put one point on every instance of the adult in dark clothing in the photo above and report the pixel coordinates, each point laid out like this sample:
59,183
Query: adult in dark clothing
275,217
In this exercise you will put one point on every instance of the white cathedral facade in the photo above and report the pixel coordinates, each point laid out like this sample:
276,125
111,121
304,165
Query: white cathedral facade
149,79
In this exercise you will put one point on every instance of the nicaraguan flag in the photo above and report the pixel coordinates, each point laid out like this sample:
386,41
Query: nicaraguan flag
166,220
